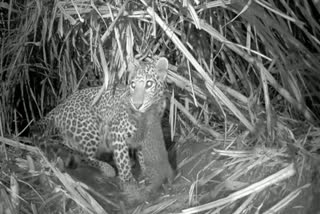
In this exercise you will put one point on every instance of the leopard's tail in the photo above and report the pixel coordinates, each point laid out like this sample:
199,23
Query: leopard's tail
44,126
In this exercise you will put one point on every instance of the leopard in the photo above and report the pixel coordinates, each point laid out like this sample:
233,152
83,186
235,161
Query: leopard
106,125
152,153
67,158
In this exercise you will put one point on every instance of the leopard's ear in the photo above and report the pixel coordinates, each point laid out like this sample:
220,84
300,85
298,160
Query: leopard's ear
132,69
162,67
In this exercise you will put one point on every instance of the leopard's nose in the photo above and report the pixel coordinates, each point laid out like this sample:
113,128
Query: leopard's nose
137,105
137,99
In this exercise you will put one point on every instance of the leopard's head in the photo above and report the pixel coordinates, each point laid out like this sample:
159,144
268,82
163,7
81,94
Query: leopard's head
147,84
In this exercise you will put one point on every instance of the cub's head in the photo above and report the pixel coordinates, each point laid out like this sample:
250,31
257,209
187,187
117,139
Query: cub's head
147,84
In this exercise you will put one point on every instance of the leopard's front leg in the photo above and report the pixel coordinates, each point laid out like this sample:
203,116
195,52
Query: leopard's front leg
122,159
121,129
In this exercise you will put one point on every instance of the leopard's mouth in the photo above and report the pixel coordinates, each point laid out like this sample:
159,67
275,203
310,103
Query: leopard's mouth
139,107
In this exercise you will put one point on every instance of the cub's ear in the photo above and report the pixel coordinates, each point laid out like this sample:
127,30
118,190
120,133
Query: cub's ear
132,69
162,67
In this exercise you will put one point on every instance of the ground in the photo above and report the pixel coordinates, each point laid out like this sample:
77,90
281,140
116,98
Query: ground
206,174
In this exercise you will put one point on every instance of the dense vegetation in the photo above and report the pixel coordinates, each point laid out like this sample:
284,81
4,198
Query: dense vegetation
245,73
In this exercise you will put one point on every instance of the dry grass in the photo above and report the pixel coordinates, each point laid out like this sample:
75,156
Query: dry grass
222,175
243,86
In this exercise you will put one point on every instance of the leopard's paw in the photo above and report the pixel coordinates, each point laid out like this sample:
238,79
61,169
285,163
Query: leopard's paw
134,193
108,170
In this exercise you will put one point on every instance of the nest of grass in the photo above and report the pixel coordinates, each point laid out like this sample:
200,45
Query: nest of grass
222,175
243,86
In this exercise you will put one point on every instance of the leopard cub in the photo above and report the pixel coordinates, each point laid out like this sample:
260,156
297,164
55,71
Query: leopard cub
91,128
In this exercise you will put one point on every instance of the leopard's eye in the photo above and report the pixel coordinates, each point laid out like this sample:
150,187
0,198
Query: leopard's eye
133,84
149,84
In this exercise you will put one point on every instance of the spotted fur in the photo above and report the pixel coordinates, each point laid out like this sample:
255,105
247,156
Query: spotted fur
113,119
